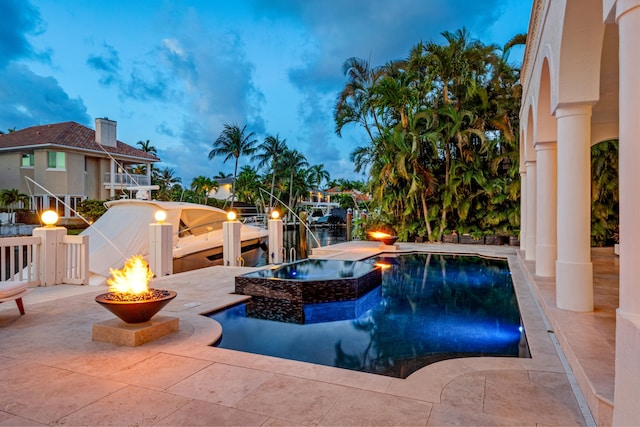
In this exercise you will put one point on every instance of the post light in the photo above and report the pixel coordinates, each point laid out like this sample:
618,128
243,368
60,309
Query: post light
49,218
160,245
275,228
51,252
231,242
160,216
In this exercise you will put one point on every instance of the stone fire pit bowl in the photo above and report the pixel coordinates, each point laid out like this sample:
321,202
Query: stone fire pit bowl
388,240
136,311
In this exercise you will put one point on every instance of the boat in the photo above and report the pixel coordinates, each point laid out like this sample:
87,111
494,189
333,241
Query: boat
123,231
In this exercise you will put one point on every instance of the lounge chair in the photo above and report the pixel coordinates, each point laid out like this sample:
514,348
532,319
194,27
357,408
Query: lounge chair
14,290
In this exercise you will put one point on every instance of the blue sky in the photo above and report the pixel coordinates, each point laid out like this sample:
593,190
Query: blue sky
174,72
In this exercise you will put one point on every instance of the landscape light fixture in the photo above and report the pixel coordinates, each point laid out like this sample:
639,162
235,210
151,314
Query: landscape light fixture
160,216
49,218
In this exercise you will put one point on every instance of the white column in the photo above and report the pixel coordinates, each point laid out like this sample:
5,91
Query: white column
523,209
161,249
112,173
546,213
574,271
530,244
231,244
276,236
627,380
52,254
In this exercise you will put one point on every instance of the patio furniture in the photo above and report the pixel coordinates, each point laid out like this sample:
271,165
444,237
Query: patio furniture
14,290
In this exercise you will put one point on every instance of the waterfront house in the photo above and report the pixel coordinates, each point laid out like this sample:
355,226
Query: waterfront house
60,164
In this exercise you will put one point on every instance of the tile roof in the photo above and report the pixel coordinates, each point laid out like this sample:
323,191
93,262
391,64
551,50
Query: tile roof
68,134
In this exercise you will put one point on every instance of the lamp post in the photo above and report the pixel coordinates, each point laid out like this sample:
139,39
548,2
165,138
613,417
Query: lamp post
275,238
52,256
231,243
160,245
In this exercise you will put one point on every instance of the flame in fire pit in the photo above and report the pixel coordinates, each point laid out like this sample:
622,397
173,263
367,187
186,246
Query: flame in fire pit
130,297
378,235
385,238
132,279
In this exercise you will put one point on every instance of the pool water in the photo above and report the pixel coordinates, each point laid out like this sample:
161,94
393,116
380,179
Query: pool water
315,269
429,307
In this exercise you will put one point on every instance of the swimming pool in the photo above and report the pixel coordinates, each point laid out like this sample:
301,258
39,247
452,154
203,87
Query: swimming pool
429,307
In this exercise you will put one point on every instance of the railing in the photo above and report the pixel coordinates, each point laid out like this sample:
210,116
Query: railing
76,266
255,219
20,259
126,180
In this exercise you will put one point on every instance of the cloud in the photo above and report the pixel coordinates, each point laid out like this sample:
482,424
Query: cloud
380,31
165,129
147,85
189,157
19,18
217,76
145,82
215,80
367,29
29,99
107,64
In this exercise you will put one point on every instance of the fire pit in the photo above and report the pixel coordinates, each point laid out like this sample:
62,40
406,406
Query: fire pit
130,297
385,238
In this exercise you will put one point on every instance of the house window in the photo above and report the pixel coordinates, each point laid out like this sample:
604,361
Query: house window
27,161
56,160
74,204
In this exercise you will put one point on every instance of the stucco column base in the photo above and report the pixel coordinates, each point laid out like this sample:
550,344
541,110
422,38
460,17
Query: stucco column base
546,260
530,251
626,411
574,286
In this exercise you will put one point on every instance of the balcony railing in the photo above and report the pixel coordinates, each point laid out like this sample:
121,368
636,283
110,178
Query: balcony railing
123,180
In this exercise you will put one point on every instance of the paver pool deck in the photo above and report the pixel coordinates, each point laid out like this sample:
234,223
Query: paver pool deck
53,373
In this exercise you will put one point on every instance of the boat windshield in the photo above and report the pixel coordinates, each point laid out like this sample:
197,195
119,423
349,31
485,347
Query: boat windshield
200,221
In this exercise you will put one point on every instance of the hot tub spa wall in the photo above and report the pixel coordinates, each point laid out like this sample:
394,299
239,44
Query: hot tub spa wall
307,292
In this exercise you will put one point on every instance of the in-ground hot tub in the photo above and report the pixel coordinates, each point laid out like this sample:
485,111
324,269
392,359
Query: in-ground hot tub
312,281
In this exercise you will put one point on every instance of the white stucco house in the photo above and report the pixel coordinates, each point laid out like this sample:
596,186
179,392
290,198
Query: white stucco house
581,86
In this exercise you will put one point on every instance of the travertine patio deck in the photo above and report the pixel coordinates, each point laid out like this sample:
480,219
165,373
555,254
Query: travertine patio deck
51,372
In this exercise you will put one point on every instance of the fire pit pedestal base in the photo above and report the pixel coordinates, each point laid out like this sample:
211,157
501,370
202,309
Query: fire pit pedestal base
115,331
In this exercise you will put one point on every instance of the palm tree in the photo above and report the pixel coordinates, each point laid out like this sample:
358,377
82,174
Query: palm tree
248,188
222,175
165,179
318,174
292,162
233,142
10,197
147,147
201,186
355,104
442,128
269,153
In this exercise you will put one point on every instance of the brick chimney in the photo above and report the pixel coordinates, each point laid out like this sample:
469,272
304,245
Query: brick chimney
106,132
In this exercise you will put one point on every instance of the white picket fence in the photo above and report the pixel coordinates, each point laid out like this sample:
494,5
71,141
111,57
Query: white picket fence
21,259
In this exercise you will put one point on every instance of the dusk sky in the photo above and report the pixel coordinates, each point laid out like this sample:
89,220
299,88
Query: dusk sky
174,72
